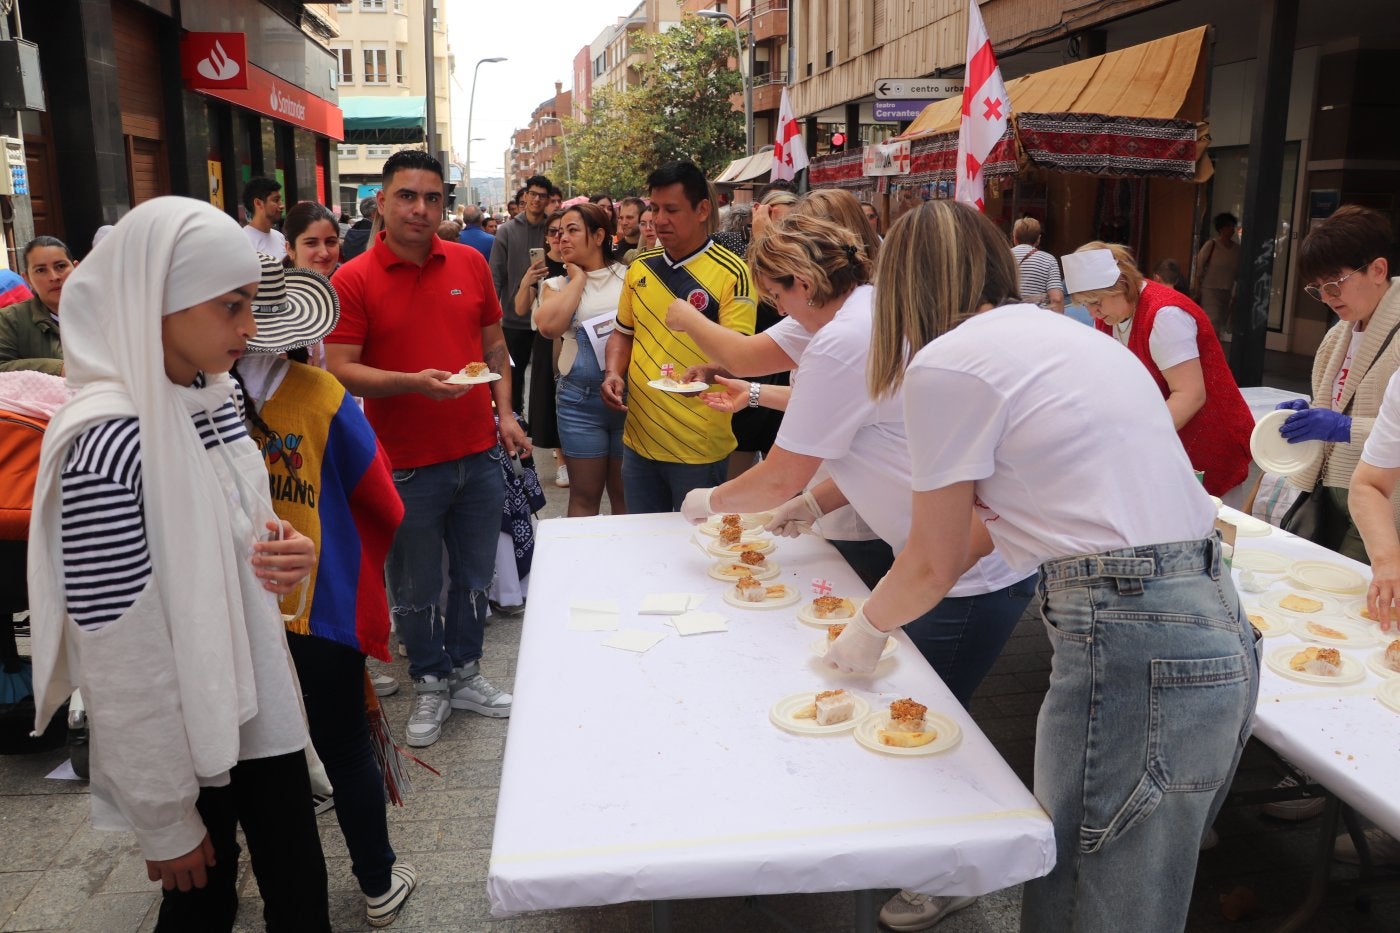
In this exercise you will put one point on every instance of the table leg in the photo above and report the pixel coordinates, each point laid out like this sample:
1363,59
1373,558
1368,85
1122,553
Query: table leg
661,916
866,911
1322,870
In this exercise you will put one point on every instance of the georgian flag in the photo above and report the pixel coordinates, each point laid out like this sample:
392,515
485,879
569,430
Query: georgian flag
986,110
789,151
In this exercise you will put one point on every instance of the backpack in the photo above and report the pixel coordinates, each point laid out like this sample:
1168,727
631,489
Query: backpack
20,439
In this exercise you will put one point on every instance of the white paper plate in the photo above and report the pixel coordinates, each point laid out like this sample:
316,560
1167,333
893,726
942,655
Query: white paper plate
462,379
1376,662
1261,561
1272,452
780,715
1327,576
1351,634
683,388
819,646
868,729
805,616
1277,659
792,596
1355,608
1273,599
1272,625
761,545
1389,693
768,571
747,521
1247,526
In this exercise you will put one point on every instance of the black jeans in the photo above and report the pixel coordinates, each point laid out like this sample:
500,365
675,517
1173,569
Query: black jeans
520,344
271,799
333,687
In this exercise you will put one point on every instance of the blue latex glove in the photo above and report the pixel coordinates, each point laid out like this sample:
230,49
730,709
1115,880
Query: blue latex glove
1293,404
1316,424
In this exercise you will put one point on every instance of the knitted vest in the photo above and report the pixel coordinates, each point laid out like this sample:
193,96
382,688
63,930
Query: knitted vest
1217,437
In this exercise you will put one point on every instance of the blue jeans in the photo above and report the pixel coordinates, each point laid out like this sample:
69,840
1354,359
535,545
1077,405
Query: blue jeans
962,636
1153,684
587,427
457,503
658,486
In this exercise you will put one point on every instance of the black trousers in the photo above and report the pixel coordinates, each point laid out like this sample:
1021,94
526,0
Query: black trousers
520,342
271,799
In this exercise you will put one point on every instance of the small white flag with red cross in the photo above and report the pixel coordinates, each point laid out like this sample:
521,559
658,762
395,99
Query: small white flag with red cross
986,111
821,587
789,151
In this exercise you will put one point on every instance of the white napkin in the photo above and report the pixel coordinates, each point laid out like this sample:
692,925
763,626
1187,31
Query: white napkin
670,604
593,615
634,640
696,623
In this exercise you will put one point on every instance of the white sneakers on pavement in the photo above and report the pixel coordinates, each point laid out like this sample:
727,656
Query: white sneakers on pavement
561,476
907,912
384,909
384,684
431,707
470,690
1296,810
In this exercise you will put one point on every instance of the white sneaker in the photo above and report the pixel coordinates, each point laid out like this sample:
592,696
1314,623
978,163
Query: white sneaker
431,708
320,804
1303,808
907,911
561,476
384,684
382,910
472,691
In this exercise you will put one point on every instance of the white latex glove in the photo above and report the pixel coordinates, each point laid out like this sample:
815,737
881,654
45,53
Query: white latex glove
696,505
794,516
858,648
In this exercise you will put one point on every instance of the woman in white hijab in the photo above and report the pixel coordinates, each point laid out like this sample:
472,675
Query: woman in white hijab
155,561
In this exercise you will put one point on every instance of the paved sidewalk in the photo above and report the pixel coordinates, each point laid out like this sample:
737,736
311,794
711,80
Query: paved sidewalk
59,874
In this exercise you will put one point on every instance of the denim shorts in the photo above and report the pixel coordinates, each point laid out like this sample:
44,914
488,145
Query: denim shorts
587,427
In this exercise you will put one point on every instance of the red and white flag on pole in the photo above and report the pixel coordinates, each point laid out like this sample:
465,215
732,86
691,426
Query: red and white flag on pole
789,151
986,110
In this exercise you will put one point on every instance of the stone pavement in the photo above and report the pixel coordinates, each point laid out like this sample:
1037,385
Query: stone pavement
56,873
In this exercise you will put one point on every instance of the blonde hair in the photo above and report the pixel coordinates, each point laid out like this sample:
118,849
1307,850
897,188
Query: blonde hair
1129,283
829,256
940,264
779,196
841,206
1027,231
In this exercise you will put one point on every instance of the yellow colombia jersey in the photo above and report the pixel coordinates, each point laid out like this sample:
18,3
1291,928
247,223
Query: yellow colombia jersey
662,425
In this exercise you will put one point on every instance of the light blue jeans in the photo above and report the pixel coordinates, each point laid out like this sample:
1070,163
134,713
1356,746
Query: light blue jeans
457,503
1152,690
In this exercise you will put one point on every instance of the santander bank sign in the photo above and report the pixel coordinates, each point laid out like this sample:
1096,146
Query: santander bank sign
214,60
216,64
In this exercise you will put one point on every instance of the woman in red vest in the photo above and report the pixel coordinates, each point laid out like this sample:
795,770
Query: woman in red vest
1174,339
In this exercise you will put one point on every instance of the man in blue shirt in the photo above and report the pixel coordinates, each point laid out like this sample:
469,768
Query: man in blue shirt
473,235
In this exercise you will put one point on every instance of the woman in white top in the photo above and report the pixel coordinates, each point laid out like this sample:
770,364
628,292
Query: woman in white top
1154,674
816,272
581,306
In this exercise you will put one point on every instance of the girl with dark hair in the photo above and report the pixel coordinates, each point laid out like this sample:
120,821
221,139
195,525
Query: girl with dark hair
313,238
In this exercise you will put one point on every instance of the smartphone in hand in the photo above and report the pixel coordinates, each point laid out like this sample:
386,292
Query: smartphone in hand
536,255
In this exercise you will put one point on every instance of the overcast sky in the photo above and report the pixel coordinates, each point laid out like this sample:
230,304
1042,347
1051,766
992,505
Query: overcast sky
539,38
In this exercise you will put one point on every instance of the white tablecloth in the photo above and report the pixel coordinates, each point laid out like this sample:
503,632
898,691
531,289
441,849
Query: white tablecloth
658,776
1343,737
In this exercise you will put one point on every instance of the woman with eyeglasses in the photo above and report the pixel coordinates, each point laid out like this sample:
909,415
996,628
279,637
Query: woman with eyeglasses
544,425
1344,261
1174,339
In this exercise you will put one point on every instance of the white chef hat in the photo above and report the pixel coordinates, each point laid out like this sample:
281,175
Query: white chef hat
1089,270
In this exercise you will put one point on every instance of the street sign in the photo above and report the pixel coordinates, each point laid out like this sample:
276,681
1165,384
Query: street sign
917,88
894,111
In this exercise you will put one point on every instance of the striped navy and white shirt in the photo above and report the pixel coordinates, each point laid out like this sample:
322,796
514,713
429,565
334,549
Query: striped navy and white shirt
1038,271
106,562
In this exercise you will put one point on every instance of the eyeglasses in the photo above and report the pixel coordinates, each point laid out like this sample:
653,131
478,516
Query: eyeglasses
538,195
553,233
1333,289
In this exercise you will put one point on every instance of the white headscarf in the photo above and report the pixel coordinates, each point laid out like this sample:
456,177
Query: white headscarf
166,255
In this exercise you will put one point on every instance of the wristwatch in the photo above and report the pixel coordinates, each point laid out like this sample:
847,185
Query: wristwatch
754,388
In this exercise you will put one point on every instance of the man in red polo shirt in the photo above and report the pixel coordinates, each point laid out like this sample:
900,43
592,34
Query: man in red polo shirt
415,309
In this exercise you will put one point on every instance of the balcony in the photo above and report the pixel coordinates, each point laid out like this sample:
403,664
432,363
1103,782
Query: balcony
768,90
766,19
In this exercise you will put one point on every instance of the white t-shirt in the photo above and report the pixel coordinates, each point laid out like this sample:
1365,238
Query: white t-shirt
791,337
272,242
1383,446
1065,436
1340,382
862,442
599,299
1173,337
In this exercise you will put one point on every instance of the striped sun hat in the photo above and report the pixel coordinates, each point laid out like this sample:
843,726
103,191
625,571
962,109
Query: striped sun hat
294,308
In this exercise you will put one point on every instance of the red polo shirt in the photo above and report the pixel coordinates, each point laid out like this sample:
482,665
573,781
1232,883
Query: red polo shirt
408,319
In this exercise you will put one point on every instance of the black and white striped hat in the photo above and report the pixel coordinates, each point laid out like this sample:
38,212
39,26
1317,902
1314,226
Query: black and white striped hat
294,308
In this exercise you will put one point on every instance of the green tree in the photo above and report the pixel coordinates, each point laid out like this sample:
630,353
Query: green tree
680,108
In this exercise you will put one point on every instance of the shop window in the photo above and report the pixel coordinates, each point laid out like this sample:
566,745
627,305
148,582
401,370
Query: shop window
400,71
344,7
376,6
345,151
1227,195
398,6
376,66
378,152
345,65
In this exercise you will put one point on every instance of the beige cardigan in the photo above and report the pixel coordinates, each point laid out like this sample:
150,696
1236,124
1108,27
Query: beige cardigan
1364,389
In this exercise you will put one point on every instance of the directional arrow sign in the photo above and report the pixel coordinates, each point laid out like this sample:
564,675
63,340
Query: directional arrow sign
917,88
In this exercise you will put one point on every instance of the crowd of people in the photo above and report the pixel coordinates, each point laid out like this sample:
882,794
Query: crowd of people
913,392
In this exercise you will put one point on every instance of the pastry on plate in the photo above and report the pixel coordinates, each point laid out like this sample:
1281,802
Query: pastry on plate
776,591
730,534
1326,631
829,708
906,727
1259,622
833,632
749,590
1325,662
731,520
1298,603
833,607
475,370
1392,655
752,558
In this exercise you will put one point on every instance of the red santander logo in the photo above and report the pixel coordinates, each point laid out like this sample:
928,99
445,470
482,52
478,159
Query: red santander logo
214,60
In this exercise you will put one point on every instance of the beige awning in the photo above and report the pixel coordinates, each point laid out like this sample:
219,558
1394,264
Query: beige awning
746,169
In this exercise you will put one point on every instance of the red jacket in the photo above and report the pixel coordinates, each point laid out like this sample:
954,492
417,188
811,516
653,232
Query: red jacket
1217,437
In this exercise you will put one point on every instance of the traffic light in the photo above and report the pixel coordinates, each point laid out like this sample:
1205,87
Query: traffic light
838,141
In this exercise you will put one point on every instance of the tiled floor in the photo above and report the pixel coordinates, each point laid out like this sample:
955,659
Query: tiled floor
57,873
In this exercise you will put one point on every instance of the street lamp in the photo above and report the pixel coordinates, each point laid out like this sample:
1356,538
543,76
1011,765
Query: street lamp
748,80
564,139
471,105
